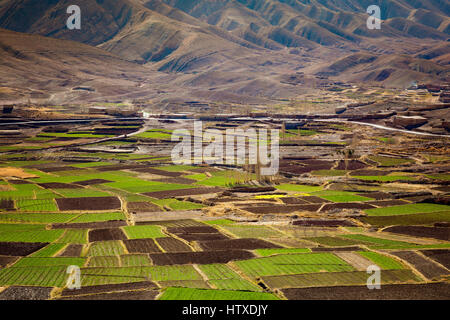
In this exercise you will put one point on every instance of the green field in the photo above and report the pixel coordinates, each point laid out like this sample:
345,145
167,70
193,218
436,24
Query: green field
388,161
384,262
408,219
49,251
293,264
52,276
222,277
143,232
269,252
199,294
407,209
49,262
298,188
329,279
106,248
340,196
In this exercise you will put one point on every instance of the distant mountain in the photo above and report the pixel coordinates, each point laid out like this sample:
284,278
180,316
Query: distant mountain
242,48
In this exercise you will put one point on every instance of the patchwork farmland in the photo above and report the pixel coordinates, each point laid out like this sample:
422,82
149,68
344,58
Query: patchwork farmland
140,227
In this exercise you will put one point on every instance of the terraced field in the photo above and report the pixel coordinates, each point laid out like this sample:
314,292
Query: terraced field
137,223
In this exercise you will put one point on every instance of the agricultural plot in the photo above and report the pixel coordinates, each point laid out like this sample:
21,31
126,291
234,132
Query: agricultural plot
98,217
31,236
51,276
74,236
408,209
243,231
105,248
293,264
139,227
49,251
143,232
331,279
220,276
198,294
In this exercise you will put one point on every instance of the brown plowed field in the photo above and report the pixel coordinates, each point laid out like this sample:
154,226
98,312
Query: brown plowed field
323,223
159,172
4,261
178,180
92,182
337,249
88,204
58,169
432,291
141,246
205,229
90,225
244,244
115,296
376,195
20,249
119,167
173,245
19,182
292,200
423,265
6,204
25,293
420,231
202,236
333,206
57,185
441,256
109,288
142,207
181,192
283,208
306,166
314,199
386,203
369,172
208,257
351,165
72,250
106,235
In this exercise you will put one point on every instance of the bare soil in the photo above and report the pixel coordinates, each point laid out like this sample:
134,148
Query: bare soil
182,192
25,293
88,204
92,182
432,291
57,185
283,208
4,261
441,256
423,265
72,250
20,249
245,244
109,288
106,235
421,231
90,225
173,245
200,257
141,246
323,223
